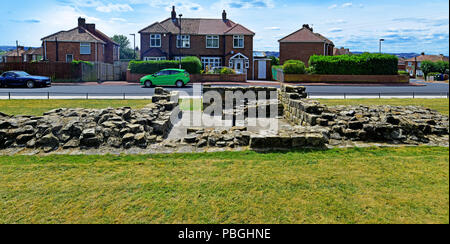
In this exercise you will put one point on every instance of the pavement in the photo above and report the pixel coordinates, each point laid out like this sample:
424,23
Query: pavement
121,90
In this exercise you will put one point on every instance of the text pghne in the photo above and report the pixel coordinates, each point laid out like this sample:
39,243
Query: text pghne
225,234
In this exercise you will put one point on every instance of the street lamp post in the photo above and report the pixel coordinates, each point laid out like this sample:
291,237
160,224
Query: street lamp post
381,40
134,45
180,39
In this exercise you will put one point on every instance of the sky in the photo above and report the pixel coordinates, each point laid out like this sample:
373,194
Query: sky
406,25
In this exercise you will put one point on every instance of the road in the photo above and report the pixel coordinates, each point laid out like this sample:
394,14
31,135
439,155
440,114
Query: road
137,92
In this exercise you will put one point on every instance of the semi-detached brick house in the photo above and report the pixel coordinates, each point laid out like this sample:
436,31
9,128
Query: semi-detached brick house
83,42
217,42
303,44
413,64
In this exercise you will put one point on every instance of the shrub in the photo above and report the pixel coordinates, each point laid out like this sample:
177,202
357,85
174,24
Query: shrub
364,64
310,70
82,62
227,71
402,72
192,65
294,67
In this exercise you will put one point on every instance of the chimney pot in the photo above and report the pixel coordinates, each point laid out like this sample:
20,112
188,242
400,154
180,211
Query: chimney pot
224,15
174,14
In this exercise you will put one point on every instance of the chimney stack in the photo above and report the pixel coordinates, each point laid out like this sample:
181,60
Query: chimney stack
307,27
82,22
174,14
224,15
423,53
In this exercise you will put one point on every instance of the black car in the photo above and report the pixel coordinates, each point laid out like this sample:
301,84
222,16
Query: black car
21,78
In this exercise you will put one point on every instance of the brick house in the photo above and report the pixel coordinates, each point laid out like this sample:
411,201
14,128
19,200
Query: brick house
216,42
413,64
341,51
83,42
22,55
303,44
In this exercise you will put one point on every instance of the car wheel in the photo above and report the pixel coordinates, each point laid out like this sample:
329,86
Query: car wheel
148,84
179,84
30,84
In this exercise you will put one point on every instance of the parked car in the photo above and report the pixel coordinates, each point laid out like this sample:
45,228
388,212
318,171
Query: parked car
21,78
167,77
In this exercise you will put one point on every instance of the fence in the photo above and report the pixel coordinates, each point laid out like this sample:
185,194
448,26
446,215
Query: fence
148,95
61,71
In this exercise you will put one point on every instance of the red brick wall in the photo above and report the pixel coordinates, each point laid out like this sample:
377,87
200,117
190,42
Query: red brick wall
301,51
65,48
346,78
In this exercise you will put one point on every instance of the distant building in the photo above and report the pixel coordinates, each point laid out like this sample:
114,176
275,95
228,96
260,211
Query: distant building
83,42
341,51
413,64
20,54
303,44
401,63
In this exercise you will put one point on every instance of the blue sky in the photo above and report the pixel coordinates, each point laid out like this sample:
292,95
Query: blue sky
407,25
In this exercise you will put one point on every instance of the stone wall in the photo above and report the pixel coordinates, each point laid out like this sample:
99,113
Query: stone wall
91,128
392,124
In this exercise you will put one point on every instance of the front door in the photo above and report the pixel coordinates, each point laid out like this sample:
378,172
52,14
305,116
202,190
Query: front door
239,66
262,70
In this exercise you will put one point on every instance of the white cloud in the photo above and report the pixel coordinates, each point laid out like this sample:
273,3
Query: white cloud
333,6
347,5
335,30
114,8
272,28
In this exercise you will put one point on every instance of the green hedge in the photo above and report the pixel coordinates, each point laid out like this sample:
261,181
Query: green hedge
294,67
192,65
364,64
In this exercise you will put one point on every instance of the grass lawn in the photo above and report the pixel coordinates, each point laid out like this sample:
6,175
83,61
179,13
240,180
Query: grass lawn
373,185
38,107
440,105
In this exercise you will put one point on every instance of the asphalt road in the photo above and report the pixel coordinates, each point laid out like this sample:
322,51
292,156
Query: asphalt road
136,91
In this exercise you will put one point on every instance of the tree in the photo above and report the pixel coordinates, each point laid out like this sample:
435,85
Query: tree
428,67
442,67
274,60
126,52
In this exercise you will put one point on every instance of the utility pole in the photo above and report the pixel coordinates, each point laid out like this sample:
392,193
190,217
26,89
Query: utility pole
381,40
17,49
181,40
134,44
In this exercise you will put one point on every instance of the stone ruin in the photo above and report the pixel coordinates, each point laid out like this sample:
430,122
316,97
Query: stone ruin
300,123
72,128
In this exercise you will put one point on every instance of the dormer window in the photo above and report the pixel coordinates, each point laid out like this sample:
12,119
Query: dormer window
155,40
238,41
183,41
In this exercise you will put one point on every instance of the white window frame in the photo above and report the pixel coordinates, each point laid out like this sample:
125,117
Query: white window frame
177,58
85,45
67,55
239,38
212,38
154,58
211,62
156,38
410,64
183,41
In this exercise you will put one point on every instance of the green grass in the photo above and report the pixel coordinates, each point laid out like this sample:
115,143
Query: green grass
38,107
440,105
373,185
